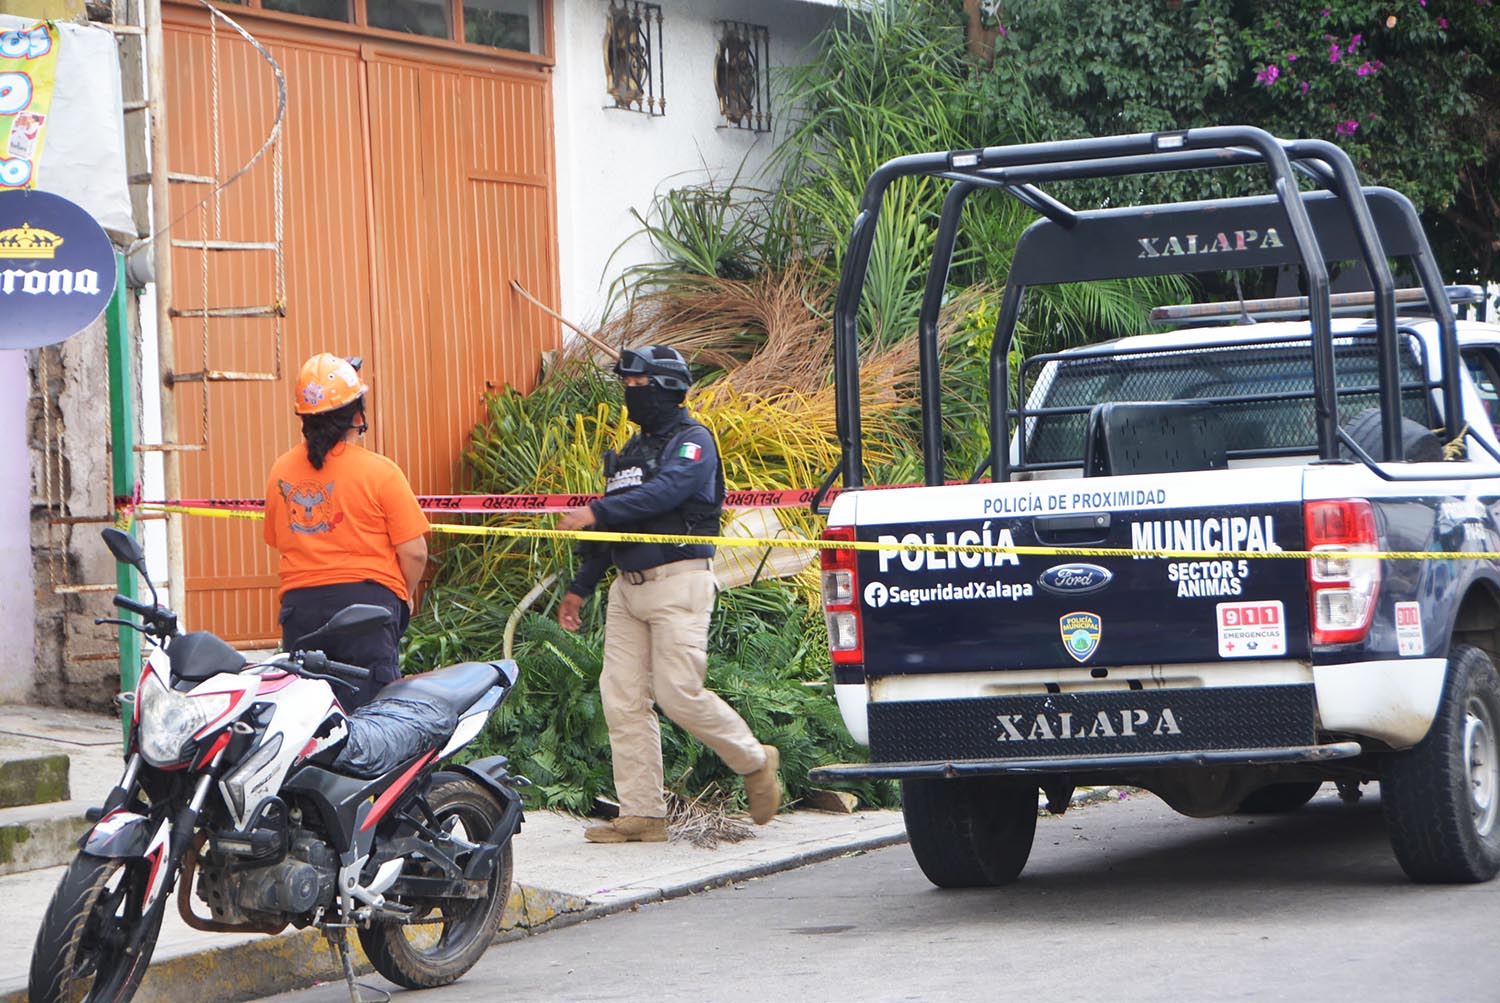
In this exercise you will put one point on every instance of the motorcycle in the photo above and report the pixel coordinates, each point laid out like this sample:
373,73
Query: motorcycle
248,787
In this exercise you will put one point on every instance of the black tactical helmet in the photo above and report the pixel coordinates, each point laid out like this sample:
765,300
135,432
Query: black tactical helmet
665,366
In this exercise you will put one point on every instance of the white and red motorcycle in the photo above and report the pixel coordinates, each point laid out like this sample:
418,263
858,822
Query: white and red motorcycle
249,786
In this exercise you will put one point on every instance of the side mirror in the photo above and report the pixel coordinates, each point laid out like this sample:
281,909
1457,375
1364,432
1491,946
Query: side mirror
125,548
350,620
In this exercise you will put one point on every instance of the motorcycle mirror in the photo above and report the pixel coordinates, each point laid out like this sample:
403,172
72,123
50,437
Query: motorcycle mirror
125,548
356,619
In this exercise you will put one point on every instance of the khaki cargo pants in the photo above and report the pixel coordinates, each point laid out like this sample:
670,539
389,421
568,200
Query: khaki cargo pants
655,650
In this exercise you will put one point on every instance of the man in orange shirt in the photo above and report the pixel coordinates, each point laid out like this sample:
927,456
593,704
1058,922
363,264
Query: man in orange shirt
346,523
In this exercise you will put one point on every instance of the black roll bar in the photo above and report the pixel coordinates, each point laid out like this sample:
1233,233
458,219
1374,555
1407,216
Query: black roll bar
1018,170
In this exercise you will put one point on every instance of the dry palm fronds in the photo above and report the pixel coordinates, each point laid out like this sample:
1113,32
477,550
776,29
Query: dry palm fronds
704,821
768,328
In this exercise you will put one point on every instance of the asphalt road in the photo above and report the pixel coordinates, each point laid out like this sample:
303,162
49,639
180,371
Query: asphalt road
1121,901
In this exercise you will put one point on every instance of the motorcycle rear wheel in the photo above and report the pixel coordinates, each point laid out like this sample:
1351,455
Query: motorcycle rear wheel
95,941
412,955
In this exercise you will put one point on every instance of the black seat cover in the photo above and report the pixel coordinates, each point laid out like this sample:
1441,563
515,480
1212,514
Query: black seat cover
454,686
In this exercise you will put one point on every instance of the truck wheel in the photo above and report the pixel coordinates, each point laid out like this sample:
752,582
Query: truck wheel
974,832
1441,799
1278,799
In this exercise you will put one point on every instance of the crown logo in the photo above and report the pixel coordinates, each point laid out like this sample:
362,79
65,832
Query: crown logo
27,241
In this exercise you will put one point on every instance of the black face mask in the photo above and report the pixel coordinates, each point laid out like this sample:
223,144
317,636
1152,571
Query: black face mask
651,408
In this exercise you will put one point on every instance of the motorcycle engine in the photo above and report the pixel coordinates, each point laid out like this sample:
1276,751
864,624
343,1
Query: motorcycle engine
286,891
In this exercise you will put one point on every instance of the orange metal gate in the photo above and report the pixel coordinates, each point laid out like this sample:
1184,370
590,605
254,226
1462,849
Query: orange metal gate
419,181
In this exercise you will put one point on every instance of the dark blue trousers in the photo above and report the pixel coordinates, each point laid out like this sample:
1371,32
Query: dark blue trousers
305,610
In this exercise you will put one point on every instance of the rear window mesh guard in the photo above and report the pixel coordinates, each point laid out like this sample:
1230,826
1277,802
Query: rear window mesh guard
1262,391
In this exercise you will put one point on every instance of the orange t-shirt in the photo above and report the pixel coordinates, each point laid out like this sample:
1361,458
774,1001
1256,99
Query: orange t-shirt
342,523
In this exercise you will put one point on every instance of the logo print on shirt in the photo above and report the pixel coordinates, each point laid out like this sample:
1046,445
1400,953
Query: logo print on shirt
630,477
309,506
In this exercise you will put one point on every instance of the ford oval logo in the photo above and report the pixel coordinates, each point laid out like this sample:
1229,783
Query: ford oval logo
1075,579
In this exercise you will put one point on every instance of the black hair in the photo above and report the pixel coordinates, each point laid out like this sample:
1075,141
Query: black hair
326,429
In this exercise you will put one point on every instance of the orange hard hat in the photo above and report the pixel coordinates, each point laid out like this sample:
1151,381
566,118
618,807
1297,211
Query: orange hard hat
327,383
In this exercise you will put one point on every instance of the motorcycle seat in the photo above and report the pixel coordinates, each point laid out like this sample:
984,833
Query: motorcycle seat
453,686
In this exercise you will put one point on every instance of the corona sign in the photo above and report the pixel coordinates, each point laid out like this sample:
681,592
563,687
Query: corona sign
57,269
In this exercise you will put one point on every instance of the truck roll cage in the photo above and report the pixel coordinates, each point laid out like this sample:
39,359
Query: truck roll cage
1339,221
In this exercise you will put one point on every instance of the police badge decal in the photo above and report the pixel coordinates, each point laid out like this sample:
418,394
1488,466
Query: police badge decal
1080,634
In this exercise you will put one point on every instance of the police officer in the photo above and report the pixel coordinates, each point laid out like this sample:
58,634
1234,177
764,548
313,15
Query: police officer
668,479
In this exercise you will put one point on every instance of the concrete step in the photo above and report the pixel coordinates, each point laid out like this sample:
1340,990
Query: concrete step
43,835
29,779
68,760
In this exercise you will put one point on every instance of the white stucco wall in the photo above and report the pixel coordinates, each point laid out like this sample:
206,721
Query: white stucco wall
17,602
610,161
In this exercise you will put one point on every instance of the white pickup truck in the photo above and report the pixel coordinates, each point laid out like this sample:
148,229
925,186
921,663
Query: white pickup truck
1160,582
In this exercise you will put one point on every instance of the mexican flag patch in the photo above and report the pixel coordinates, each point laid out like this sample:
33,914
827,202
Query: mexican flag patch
690,451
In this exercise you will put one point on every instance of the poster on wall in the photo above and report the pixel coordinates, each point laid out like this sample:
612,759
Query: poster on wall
57,269
28,69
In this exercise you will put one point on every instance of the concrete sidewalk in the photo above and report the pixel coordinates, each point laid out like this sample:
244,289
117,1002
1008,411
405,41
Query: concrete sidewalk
559,879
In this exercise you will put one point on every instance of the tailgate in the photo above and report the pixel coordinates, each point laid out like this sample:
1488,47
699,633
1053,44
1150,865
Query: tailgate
955,612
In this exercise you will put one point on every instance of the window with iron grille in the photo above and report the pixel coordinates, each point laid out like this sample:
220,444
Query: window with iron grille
742,75
633,57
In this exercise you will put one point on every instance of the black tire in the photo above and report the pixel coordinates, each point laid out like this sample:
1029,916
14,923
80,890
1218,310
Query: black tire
95,943
974,832
1441,799
1279,799
467,927
1418,443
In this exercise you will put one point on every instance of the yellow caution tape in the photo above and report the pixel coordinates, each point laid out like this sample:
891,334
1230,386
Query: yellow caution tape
603,536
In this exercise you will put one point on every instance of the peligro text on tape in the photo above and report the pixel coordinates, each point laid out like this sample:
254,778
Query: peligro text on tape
497,504
605,536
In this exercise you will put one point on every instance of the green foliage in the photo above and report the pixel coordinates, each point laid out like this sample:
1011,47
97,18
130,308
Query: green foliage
882,85
766,658
1407,87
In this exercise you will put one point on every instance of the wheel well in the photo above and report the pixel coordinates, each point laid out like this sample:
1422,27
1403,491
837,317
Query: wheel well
1478,620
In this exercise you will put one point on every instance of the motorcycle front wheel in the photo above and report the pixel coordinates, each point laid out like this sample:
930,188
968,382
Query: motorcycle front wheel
445,937
96,939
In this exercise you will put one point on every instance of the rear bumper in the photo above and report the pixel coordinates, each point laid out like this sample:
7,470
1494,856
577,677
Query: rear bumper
1092,765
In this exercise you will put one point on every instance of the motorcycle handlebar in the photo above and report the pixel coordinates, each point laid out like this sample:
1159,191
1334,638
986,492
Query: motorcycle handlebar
316,661
138,608
344,669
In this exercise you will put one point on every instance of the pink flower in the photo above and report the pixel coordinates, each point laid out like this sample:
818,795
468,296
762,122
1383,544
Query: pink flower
1422,3
1354,44
1366,69
1347,128
1303,85
1291,57
1000,28
1334,52
1326,12
1442,22
1268,75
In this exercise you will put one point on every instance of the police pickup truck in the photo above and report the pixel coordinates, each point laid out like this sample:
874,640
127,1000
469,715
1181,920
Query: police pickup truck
1225,563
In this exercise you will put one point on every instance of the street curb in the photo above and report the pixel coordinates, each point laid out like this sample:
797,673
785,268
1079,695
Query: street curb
271,965
747,872
286,962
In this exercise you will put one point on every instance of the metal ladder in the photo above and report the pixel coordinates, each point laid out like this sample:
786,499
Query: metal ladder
153,178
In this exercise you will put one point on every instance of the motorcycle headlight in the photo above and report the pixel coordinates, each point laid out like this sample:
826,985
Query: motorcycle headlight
170,719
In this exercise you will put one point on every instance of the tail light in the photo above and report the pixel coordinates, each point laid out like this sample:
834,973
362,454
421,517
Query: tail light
1341,589
841,598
